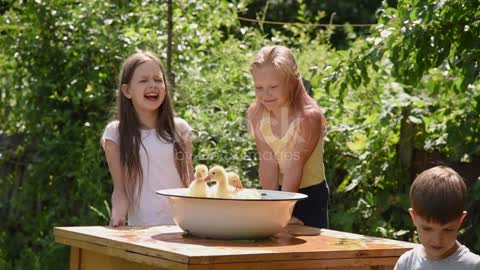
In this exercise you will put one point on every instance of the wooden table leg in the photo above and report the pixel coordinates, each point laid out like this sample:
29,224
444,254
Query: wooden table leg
75,254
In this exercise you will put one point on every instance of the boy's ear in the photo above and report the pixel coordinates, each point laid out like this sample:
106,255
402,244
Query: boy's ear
464,214
412,214
125,91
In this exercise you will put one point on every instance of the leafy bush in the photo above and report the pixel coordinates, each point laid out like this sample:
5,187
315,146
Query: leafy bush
399,99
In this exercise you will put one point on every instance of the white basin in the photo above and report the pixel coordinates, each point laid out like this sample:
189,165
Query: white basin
232,218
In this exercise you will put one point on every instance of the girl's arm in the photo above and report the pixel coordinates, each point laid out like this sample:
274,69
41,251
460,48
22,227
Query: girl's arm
119,197
310,133
268,167
185,132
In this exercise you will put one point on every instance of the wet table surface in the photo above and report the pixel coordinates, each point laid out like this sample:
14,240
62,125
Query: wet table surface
167,247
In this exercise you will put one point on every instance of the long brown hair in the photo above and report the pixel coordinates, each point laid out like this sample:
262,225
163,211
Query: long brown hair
282,60
129,129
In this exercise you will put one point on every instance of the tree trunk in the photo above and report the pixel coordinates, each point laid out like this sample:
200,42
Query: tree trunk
170,73
406,143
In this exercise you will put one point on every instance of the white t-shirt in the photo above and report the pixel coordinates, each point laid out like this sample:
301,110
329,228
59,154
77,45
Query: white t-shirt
159,172
462,259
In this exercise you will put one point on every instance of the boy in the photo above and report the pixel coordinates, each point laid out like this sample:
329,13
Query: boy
437,198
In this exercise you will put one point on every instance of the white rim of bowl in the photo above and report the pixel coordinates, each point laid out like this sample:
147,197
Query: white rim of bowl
165,192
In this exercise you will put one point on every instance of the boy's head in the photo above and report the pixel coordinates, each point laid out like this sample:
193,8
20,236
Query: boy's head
437,198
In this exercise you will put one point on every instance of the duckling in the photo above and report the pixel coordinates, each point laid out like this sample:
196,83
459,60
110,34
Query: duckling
240,192
234,180
198,187
222,189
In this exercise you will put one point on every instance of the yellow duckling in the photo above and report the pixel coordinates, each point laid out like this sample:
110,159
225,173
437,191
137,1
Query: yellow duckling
198,187
234,180
222,189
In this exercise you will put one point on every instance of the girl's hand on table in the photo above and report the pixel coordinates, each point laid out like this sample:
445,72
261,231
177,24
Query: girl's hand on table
117,221
119,209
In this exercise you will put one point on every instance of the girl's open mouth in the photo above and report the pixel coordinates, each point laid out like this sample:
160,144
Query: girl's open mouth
151,96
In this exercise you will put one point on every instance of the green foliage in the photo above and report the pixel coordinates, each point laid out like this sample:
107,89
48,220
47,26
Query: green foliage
471,233
417,76
218,92
61,58
324,12
59,87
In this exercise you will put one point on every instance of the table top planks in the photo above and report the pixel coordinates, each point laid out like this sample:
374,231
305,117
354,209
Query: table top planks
170,244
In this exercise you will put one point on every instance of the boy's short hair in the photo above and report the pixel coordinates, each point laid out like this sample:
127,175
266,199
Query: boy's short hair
438,195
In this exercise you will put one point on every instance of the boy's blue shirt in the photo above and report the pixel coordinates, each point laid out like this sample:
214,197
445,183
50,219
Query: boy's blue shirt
462,259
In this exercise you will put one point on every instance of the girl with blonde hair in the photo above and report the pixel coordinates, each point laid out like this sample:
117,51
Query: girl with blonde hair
289,128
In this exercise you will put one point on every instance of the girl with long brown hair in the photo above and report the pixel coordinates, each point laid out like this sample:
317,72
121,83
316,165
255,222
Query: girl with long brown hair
146,147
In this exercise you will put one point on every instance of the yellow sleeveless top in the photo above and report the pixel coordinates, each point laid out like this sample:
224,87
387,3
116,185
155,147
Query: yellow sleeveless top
313,170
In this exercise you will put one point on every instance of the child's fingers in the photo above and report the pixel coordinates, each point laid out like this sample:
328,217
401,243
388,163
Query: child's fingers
115,222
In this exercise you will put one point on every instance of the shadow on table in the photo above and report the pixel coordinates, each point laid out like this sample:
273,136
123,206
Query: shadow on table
279,239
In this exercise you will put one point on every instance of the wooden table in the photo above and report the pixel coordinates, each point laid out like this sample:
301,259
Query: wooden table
165,247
